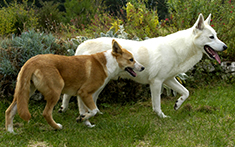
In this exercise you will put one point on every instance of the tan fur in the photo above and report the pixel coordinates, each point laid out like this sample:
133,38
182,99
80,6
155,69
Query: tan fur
55,74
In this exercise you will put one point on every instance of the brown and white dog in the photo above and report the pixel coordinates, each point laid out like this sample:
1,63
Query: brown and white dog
81,75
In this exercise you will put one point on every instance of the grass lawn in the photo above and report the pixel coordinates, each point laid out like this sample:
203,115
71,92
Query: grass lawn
205,119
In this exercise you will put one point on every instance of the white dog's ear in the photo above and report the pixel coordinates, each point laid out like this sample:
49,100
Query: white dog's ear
117,49
208,20
200,22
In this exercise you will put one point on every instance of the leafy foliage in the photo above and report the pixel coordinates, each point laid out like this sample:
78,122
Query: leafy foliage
80,11
16,17
141,21
49,16
16,51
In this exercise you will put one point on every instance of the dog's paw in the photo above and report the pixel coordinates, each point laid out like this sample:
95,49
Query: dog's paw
91,126
10,129
162,115
60,110
100,112
80,118
177,104
88,124
60,126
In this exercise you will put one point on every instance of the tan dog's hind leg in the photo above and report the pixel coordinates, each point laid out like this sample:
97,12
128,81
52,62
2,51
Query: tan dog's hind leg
9,116
12,110
47,113
51,88
52,93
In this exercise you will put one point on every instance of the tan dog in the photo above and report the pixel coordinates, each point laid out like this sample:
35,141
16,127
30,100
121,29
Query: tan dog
74,75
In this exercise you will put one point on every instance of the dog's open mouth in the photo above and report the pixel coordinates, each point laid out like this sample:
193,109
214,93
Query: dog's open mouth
212,53
130,71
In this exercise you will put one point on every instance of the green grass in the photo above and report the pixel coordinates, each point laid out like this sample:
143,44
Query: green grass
205,119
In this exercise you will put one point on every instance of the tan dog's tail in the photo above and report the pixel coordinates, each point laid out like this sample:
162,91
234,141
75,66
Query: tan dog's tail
22,91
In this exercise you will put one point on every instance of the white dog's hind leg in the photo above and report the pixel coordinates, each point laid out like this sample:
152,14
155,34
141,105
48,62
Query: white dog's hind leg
155,88
65,103
175,85
96,94
81,106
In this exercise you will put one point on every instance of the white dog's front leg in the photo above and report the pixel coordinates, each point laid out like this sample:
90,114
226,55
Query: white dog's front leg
97,93
155,88
175,85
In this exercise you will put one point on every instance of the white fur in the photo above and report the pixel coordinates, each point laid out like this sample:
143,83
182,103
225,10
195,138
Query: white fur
112,65
60,126
163,57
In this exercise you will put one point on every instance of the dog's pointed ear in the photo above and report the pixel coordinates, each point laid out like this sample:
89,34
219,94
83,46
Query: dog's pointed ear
200,22
116,48
208,20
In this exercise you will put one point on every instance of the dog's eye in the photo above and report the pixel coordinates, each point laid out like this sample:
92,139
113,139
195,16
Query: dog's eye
211,37
131,59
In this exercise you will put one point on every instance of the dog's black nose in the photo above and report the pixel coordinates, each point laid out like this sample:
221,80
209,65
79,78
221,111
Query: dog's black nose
142,68
225,47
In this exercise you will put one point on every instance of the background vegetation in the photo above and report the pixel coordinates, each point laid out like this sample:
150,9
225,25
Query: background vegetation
31,27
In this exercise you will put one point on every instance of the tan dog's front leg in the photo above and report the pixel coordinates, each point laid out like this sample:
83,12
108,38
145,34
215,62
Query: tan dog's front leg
90,104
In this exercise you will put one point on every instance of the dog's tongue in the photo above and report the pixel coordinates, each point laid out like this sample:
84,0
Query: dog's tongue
131,72
212,53
216,56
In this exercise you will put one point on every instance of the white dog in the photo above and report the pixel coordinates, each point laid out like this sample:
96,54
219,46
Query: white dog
163,58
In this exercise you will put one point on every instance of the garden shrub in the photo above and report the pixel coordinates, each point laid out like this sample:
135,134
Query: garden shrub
140,21
16,17
16,51
100,23
135,17
49,17
80,12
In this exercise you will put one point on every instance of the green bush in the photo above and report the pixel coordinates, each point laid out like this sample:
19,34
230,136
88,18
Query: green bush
16,17
140,21
80,12
49,17
100,23
16,51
